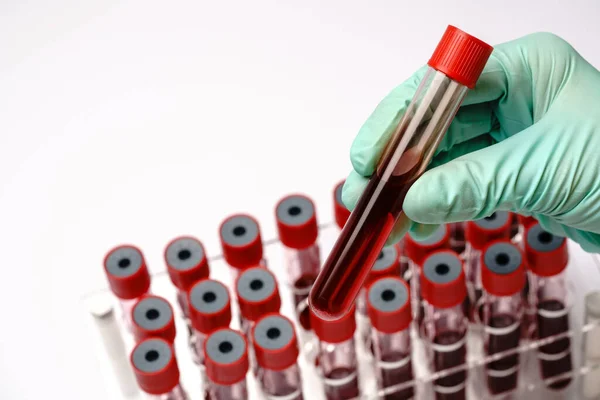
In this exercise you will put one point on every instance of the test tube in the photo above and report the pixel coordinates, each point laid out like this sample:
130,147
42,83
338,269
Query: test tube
226,365
257,295
186,264
590,383
458,243
340,212
454,67
128,278
445,324
547,257
478,234
503,277
210,309
152,316
298,231
389,308
156,371
336,359
276,350
241,243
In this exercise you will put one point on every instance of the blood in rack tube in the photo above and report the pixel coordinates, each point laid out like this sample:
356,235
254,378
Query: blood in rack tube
226,365
503,278
298,231
128,278
336,359
210,309
454,67
547,256
152,316
445,323
241,243
156,371
458,243
389,308
276,350
186,264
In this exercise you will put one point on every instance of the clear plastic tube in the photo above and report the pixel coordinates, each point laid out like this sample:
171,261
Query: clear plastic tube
411,147
281,385
302,267
457,238
176,394
338,368
237,391
590,385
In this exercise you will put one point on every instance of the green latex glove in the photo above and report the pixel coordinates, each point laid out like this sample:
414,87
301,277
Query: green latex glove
527,139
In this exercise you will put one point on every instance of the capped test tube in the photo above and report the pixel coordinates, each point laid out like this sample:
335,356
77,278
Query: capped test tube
156,371
389,308
445,324
128,277
226,365
152,316
547,257
241,243
210,309
336,358
340,212
276,350
503,278
298,231
186,264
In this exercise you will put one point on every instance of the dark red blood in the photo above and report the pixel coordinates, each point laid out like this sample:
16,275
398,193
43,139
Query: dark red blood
548,327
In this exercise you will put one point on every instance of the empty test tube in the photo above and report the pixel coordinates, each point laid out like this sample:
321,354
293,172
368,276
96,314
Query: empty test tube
389,308
276,350
340,212
241,243
156,371
152,316
128,277
226,365
445,324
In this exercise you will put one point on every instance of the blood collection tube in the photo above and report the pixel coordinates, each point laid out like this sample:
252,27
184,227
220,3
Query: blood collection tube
454,67
156,371
298,231
241,243
340,212
547,257
128,277
186,264
210,309
257,295
336,358
389,308
152,316
445,324
503,277
458,243
478,234
226,365
276,350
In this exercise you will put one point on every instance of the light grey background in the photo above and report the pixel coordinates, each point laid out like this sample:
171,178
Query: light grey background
136,121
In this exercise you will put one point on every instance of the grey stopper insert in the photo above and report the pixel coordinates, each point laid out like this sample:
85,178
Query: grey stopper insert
152,313
494,221
295,210
208,297
338,194
388,295
442,268
184,254
225,346
255,284
239,230
543,241
152,355
434,238
502,258
273,332
124,262
387,257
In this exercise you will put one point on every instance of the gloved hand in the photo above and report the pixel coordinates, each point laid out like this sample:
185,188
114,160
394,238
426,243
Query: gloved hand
527,139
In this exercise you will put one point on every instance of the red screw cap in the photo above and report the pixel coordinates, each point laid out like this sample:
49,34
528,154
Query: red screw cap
460,56
210,306
126,271
495,227
340,211
443,279
387,264
153,316
257,293
275,342
226,354
502,269
334,331
186,262
418,250
241,241
388,305
547,254
155,366
297,221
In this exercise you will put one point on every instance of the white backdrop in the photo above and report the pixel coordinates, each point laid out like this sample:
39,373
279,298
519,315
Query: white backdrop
135,121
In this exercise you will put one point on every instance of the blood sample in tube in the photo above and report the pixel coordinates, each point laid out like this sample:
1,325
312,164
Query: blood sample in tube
152,316
226,365
241,243
257,294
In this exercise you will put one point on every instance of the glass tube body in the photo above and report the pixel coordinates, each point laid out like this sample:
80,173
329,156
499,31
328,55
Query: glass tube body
474,285
183,304
236,391
302,270
281,385
393,363
415,295
338,368
197,343
176,394
405,158
457,238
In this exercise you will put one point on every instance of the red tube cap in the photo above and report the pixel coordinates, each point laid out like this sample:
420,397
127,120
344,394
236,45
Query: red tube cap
210,307
495,227
241,241
418,249
388,305
152,316
226,355
155,366
547,254
275,342
186,262
502,269
340,211
297,221
126,271
257,293
387,264
443,279
334,331
460,56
